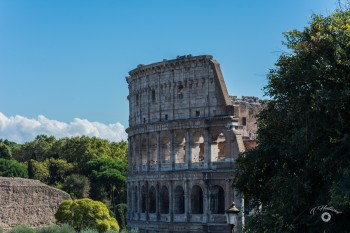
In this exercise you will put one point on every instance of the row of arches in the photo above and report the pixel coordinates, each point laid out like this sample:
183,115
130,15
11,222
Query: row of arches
148,200
178,147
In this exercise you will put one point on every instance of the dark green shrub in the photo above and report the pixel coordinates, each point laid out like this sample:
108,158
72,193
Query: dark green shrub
21,229
12,168
49,229
134,230
120,215
56,229
89,231
65,228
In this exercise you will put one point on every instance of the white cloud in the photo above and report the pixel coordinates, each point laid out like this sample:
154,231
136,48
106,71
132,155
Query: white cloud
21,129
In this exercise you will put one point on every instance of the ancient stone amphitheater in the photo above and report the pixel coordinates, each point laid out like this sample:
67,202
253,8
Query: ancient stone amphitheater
184,134
28,202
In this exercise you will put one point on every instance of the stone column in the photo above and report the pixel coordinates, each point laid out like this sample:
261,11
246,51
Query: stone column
139,154
228,194
147,201
148,153
207,147
188,154
130,157
139,199
229,144
129,213
172,150
158,152
206,204
133,151
157,201
171,200
187,200
233,146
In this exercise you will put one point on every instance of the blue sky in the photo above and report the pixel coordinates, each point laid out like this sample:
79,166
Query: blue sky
67,59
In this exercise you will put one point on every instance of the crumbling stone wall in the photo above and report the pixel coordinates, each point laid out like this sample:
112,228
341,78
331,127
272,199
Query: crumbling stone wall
29,202
247,109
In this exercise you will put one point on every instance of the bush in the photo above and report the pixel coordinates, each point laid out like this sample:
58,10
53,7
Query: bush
86,213
134,230
65,228
120,215
1,230
12,168
114,231
89,231
21,229
49,229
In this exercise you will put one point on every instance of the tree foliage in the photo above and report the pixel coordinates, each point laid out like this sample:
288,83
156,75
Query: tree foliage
303,155
86,213
39,170
73,163
78,186
12,168
111,174
5,151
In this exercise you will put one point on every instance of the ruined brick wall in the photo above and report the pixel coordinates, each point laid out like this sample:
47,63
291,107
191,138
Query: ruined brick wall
29,202
247,109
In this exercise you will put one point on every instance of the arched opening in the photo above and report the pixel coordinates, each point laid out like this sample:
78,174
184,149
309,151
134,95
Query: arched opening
152,200
143,199
180,148
197,147
179,207
153,150
218,147
144,151
164,200
165,148
196,200
217,200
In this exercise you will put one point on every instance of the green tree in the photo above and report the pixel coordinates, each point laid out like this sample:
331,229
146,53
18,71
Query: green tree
39,149
121,214
112,175
59,169
80,150
78,186
12,168
120,151
86,213
38,170
5,151
303,155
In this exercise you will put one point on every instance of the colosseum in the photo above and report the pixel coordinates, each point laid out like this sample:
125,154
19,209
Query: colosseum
185,132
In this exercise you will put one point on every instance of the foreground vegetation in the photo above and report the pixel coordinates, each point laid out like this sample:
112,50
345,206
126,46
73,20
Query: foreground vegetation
302,160
65,228
85,167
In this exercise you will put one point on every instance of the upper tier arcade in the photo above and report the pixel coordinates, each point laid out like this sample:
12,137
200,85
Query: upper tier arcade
184,88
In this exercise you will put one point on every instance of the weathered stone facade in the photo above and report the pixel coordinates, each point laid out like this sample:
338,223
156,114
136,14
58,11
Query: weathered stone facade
28,202
183,140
